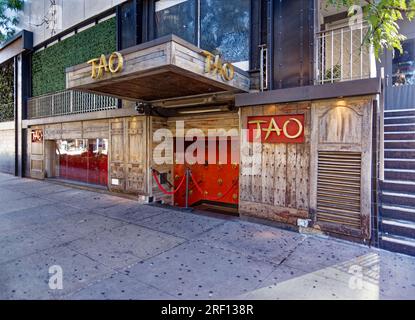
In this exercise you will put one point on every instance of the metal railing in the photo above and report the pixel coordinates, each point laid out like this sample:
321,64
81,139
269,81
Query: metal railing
342,54
67,103
7,112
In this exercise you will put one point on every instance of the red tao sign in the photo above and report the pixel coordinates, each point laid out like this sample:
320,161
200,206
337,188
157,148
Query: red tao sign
276,129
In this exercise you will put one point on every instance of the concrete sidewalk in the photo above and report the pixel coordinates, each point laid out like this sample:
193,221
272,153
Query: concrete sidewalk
114,248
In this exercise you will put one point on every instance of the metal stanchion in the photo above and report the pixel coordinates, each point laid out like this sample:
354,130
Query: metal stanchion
187,188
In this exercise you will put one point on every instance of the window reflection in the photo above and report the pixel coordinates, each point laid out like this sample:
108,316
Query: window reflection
403,66
221,27
176,17
83,160
225,29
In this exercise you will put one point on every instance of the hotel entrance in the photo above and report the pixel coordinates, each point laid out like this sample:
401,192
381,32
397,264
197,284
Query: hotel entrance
170,80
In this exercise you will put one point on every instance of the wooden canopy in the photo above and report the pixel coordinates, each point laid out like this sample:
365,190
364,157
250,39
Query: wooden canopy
165,68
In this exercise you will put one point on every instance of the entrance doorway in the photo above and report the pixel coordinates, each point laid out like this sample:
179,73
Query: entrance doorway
213,184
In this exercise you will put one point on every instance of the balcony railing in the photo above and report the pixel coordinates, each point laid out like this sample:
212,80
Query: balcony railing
342,54
67,103
6,112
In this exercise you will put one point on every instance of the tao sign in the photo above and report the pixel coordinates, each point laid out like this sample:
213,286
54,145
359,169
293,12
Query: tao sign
276,129
114,64
214,65
37,136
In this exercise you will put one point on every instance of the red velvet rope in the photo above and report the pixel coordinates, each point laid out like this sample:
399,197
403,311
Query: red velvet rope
162,189
197,185
212,199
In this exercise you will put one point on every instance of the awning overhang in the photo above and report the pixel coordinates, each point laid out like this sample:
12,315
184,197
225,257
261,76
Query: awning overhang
354,88
21,42
165,68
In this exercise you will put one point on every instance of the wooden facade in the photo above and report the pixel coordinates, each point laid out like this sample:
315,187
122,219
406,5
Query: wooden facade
127,162
157,123
326,180
169,63
275,185
341,143
322,182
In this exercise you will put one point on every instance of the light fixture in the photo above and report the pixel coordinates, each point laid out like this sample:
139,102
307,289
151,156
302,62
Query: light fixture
199,111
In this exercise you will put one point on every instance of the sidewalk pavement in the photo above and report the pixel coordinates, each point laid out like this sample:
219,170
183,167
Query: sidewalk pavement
110,247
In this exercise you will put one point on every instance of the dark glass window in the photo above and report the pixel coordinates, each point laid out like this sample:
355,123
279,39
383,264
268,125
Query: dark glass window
176,17
128,25
403,66
225,29
219,26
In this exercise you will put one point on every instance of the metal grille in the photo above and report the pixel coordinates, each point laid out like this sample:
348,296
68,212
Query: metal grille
338,188
68,102
343,55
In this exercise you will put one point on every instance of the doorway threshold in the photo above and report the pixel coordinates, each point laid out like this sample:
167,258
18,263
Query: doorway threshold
77,184
91,187
199,211
217,208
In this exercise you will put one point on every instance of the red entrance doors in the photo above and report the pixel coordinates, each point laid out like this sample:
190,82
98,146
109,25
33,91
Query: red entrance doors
210,182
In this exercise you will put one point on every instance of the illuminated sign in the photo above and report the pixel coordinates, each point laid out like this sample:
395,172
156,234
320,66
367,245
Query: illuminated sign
37,136
100,66
214,65
276,129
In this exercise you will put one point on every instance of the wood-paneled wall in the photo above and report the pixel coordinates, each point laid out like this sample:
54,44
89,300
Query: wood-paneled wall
128,155
77,130
275,185
326,180
156,124
205,122
342,130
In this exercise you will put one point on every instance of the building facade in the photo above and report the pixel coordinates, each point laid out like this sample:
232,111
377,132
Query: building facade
294,99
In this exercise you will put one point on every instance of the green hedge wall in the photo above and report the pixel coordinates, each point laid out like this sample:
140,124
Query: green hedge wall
6,91
48,65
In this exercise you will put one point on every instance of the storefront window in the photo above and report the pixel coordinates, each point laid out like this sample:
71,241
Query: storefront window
83,160
403,66
221,27
176,17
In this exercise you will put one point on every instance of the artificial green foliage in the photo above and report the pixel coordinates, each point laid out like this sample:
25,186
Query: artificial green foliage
49,65
6,91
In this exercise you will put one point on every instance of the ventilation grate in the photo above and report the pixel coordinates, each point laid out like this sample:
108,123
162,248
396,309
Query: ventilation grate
338,188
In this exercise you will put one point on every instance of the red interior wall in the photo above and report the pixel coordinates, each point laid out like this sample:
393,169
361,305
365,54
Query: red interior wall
215,179
87,167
